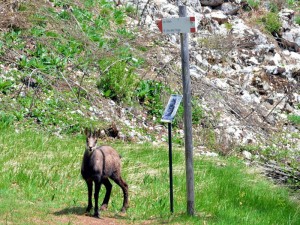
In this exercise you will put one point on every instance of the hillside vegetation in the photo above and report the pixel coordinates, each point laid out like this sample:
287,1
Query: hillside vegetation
60,59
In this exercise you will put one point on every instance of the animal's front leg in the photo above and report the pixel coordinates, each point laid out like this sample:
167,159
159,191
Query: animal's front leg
90,192
96,196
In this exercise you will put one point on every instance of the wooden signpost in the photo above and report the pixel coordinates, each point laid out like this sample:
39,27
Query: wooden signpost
184,25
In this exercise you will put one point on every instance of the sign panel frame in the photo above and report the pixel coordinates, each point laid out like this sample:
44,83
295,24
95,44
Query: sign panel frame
171,108
177,25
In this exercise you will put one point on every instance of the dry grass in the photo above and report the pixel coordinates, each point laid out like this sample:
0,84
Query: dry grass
11,17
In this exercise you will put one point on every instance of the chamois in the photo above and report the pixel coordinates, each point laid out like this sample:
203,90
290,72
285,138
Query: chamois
98,165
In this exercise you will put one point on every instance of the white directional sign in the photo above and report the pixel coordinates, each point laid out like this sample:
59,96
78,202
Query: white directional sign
177,25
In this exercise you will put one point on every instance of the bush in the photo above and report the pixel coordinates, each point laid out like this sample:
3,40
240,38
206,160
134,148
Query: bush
149,95
271,22
118,81
197,114
253,4
295,119
297,20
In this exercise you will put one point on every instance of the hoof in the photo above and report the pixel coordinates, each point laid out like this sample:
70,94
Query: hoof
103,207
96,215
88,209
123,210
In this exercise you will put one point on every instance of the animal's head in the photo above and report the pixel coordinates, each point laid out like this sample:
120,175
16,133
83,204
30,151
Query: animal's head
91,139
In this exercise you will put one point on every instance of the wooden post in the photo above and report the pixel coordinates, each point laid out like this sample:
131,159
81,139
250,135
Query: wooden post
187,116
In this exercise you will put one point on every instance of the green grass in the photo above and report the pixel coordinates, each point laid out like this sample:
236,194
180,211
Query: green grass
40,183
295,119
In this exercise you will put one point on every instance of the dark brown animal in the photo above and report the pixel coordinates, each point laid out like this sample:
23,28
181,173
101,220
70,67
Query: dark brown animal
98,165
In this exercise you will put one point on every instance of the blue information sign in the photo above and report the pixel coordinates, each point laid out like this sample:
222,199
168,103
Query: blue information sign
171,108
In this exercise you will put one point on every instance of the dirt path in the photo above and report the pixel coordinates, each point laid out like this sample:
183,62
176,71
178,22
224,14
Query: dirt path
76,216
88,220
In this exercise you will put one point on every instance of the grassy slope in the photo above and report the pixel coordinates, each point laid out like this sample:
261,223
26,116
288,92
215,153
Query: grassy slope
40,180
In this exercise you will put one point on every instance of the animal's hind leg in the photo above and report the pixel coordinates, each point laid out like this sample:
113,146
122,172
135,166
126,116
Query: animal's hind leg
90,192
119,181
108,187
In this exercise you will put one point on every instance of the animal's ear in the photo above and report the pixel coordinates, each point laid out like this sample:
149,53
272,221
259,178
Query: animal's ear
98,133
87,132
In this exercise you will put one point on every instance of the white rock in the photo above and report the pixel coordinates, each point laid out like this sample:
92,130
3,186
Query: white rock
219,16
220,83
277,59
210,154
253,61
247,155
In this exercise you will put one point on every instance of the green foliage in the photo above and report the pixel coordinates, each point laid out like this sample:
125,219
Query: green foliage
149,93
291,3
58,3
6,120
118,81
5,86
297,19
65,15
119,16
197,114
253,4
39,20
273,7
125,33
295,119
271,22
130,10
228,26
62,40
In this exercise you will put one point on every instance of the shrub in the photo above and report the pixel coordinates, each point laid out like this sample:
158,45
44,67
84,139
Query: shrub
273,7
276,5
271,22
149,95
297,20
291,3
118,81
295,119
253,4
197,114
130,11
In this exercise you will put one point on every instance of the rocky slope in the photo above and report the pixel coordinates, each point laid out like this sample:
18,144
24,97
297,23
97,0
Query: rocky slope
245,77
